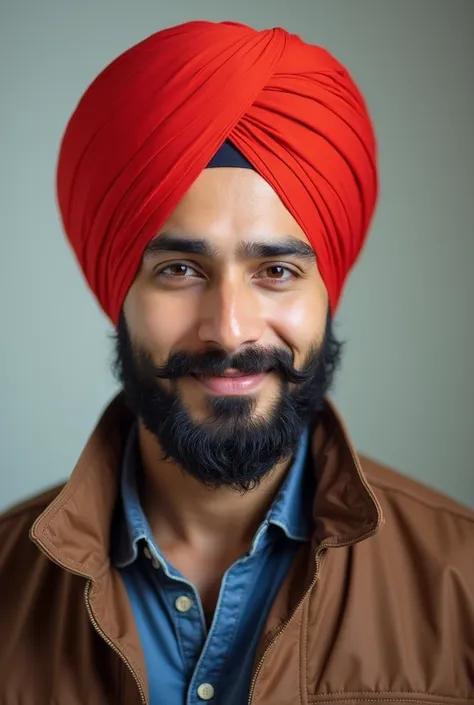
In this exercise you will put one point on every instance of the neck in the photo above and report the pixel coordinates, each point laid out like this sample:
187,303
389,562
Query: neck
181,510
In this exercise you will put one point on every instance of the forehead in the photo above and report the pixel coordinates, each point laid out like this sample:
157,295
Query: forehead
229,207
232,185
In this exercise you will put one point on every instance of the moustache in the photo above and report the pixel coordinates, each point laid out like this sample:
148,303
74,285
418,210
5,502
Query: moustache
256,360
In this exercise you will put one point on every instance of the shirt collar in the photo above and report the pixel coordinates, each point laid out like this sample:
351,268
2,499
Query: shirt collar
132,525
291,509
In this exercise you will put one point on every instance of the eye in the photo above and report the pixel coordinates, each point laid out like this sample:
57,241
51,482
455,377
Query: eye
177,270
278,274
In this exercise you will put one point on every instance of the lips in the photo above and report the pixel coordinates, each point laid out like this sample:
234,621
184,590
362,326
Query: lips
232,382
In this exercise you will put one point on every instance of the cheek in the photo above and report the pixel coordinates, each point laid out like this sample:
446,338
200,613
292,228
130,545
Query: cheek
302,319
157,321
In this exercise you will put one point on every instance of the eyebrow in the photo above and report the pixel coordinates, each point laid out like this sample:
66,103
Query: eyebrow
287,246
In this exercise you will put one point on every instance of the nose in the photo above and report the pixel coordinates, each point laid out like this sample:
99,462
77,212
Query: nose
230,316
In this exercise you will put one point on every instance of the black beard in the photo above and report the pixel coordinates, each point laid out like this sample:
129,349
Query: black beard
234,448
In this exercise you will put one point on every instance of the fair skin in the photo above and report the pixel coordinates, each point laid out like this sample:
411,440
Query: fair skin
219,299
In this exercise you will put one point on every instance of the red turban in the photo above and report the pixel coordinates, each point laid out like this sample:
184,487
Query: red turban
151,121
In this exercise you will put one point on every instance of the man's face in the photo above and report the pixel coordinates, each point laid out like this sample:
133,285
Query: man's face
225,347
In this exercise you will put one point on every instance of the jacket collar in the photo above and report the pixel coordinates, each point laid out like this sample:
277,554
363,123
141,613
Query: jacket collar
75,529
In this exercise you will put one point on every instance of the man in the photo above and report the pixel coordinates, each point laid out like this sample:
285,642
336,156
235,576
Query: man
220,540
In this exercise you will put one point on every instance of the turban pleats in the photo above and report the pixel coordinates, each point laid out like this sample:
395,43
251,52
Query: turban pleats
151,121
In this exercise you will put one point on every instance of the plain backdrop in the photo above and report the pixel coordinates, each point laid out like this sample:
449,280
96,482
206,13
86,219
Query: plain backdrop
406,386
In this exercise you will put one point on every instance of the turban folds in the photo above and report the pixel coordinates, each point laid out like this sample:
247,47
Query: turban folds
152,120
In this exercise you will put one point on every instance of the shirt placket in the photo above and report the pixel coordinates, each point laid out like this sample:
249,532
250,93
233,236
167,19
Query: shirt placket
208,672
184,609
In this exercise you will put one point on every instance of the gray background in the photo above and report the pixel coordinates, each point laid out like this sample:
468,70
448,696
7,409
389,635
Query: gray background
406,385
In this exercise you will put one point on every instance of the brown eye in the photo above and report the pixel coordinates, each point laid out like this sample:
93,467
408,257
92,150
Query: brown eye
177,270
278,274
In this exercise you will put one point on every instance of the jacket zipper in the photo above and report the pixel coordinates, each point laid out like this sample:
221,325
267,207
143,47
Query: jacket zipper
322,547
93,620
110,643
285,624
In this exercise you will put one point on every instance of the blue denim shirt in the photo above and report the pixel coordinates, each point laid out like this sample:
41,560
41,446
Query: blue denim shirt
187,663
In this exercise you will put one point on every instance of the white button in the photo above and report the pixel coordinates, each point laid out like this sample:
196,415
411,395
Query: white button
183,604
148,554
206,691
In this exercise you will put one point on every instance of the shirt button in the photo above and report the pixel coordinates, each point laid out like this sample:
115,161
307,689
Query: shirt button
205,691
147,553
183,604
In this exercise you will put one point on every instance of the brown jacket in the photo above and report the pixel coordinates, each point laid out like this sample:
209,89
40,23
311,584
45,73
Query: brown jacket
374,611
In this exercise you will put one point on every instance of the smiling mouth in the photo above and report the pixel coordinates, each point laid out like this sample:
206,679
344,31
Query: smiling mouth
231,382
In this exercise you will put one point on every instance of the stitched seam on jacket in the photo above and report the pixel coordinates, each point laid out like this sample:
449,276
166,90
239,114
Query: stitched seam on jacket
348,539
131,660
304,645
300,656
389,696
387,699
394,693
71,561
401,700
